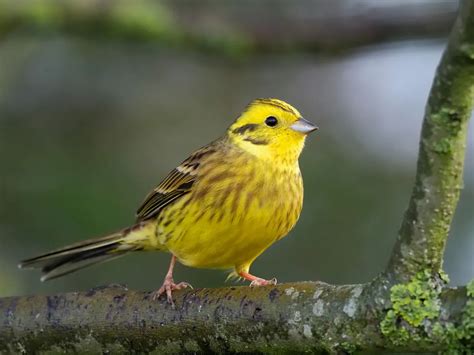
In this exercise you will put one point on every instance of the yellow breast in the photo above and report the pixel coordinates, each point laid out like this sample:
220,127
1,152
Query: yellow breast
239,206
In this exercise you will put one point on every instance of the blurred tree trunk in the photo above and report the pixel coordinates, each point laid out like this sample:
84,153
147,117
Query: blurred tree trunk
407,308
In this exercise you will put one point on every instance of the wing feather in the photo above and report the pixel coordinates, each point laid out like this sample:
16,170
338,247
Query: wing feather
178,183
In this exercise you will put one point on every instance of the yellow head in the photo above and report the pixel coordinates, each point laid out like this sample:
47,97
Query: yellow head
271,128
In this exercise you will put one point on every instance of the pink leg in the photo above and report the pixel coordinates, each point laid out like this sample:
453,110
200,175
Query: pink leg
169,285
256,281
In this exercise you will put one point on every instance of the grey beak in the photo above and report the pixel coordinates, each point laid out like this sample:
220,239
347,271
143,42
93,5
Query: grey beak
303,126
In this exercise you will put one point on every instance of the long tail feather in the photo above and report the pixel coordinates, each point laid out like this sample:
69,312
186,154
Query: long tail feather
73,249
89,252
68,268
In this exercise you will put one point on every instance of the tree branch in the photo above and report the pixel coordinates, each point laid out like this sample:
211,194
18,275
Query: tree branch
408,308
439,178
293,317
229,27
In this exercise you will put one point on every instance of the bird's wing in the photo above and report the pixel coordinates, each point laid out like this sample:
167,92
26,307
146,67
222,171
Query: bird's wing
177,184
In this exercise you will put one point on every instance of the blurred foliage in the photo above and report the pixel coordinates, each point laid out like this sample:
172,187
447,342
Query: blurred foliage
233,27
141,20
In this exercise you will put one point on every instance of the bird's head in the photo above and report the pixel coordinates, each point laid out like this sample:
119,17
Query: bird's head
271,128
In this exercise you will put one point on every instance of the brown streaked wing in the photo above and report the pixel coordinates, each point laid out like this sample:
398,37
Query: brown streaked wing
177,184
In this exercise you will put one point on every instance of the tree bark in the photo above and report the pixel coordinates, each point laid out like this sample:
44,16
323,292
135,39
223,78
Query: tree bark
439,178
407,308
305,316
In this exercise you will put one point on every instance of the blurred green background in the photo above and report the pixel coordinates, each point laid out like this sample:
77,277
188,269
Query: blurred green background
90,122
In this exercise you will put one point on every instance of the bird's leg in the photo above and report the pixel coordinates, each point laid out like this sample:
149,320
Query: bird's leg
256,281
169,285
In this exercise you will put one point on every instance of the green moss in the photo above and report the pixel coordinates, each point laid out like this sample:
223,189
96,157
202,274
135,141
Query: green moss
444,146
466,331
459,339
414,316
416,301
348,348
448,121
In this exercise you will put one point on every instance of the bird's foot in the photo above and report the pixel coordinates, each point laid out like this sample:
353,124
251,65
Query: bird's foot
262,282
168,287
256,281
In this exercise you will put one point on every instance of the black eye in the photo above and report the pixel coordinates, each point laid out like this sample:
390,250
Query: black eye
271,121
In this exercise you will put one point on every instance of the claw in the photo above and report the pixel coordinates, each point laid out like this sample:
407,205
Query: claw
263,282
168,287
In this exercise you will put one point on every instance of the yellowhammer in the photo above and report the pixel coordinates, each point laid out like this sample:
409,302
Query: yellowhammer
221,208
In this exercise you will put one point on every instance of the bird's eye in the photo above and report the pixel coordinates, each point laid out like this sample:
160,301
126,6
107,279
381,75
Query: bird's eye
271,121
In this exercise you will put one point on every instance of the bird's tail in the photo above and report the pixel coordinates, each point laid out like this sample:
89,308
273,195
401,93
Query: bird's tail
89,252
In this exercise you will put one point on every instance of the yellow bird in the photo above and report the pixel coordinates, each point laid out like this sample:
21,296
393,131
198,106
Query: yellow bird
220,209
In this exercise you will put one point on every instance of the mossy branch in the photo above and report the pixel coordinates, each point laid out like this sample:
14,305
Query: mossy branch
407,308
296,317
439,178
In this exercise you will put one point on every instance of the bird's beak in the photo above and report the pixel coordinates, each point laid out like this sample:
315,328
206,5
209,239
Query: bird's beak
303,126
